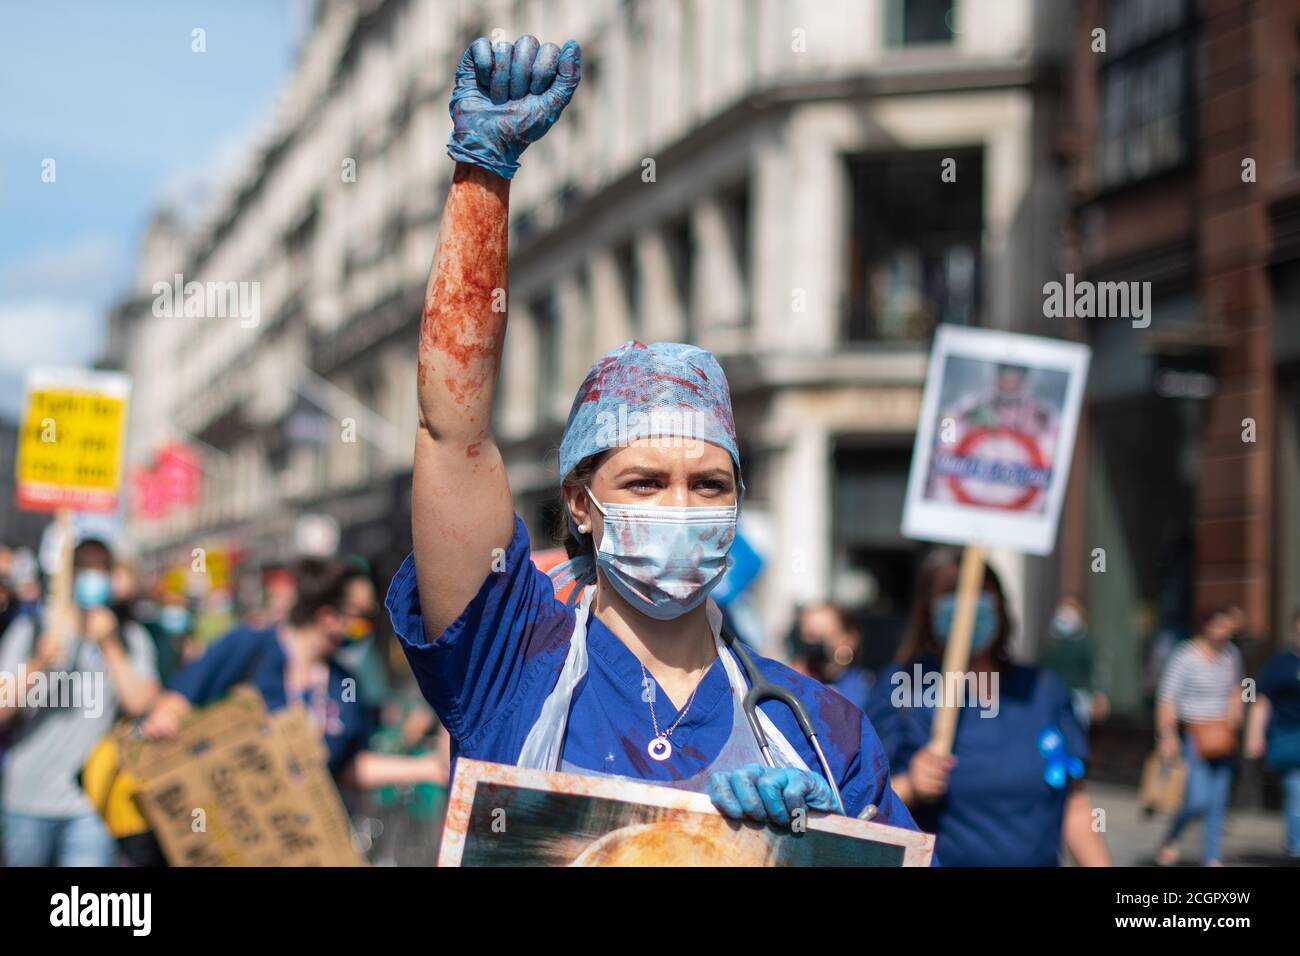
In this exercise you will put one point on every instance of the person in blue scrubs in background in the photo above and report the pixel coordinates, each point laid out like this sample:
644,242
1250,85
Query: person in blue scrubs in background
293,662
826,645
1273,729
633,680
1011,793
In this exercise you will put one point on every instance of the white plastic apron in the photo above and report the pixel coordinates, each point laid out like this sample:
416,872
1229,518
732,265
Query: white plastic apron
544,746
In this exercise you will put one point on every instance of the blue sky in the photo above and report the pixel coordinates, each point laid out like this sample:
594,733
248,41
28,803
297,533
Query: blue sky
113,93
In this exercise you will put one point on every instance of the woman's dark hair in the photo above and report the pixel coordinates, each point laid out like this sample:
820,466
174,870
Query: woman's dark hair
1208,614
96,547
920,640
320,583
580,477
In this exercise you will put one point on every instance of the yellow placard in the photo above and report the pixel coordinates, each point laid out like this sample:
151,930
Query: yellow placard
70,445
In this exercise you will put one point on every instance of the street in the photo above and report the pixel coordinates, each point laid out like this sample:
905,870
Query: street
1251,837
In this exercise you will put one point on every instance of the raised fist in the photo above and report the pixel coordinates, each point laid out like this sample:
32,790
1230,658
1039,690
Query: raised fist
507,96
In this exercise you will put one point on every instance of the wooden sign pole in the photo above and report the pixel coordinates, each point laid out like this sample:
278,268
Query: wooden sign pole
60,616
956,654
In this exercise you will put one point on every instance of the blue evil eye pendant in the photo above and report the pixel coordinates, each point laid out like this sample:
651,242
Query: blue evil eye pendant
1058,765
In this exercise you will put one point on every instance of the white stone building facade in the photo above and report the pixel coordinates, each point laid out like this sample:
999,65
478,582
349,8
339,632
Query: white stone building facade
762,177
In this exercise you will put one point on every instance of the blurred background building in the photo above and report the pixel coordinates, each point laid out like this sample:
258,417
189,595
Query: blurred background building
1185,172
18,528
764,178
760,177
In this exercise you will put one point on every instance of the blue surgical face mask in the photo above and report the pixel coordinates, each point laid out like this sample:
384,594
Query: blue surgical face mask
174,619
664,561
983,631
91,588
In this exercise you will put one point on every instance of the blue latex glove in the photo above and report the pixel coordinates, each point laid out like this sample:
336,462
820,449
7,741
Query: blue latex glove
507,96
769,794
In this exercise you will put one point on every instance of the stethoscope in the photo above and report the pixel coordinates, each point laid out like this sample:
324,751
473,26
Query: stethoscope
760,689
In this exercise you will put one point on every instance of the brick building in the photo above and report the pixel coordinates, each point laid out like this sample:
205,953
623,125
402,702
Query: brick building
1184,139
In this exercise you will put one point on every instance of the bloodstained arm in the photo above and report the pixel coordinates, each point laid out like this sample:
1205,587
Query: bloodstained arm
461,505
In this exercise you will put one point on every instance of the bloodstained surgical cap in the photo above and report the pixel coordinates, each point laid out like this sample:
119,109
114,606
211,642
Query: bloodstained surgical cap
663,391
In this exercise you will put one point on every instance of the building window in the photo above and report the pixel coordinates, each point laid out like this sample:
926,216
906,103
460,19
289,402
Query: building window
1147,94
546,319
736,214
629,277
680,247
914,250
919,22
1295,115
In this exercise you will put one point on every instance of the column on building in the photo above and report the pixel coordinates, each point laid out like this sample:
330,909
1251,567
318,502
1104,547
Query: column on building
609,301
718,293
662,310
798,202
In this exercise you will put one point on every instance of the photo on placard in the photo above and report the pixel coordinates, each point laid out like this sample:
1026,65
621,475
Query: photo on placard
995,439
507,816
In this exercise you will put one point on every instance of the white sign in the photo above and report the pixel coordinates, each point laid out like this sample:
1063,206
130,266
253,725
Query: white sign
995,439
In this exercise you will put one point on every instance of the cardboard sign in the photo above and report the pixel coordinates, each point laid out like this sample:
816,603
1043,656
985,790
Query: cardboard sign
70,445
995,439
261,782
508,816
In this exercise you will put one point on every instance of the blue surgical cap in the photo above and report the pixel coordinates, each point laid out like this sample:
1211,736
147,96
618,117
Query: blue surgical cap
665,390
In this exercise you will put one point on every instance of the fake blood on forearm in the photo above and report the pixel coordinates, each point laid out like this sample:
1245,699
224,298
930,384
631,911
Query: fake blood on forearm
463,325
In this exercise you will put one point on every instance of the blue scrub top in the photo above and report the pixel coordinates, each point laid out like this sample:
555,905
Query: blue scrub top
999,810
855,683
256,657
1280,683
488,674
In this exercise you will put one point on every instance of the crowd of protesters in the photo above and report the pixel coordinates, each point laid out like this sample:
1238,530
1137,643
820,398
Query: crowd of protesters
149,654
1011,792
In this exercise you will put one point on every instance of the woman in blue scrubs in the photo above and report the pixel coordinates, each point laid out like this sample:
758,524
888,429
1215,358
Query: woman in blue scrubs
632,680
1011,793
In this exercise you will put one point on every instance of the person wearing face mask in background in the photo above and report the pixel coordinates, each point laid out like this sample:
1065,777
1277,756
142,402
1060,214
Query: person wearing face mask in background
827,647
173,631
1068,653
631,679
359,654
48,820
1011,793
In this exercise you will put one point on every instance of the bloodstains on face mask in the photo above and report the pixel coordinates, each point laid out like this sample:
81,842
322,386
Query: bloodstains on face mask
664,561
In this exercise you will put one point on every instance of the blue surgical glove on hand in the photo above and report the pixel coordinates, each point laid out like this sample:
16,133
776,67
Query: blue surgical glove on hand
507,96
769,794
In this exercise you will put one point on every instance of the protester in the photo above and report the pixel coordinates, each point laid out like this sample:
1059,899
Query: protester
10,607
1199,713
26,585
131,603
1011,793
294,663
828,648
1068,653
215,616
1273,729
278,595
359,654
634,681
109,665
173,630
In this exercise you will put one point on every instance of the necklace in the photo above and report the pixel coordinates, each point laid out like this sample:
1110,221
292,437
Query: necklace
659,748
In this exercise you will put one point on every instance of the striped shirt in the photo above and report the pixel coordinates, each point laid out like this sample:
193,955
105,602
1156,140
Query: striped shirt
1199,686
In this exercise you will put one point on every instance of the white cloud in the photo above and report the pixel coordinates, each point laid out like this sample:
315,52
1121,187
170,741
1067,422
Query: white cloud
53,309
87,268
44,332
